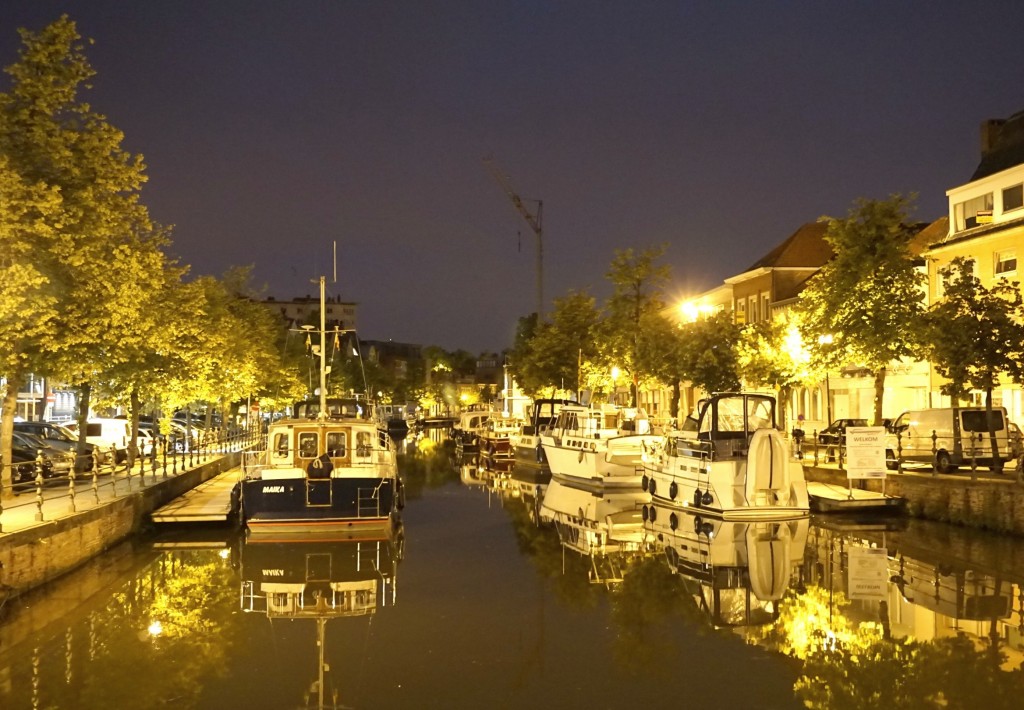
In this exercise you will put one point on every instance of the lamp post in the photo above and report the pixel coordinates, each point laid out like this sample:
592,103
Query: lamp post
827,340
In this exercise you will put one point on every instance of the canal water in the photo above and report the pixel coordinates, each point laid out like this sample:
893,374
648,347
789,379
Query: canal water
503,591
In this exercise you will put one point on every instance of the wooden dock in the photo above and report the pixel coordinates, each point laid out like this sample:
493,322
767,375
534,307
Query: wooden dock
208,502
832,498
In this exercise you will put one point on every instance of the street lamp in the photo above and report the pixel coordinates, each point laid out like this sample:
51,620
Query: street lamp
827,340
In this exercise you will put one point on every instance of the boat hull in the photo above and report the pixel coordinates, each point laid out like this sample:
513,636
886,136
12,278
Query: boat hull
302,505
608,462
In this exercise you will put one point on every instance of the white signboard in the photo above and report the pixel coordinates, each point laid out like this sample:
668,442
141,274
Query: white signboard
868,573
865,452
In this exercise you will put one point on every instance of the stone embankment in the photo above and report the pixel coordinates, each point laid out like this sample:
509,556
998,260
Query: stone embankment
35,554
991,502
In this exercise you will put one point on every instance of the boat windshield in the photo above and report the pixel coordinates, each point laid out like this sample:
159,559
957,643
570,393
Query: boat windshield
737,415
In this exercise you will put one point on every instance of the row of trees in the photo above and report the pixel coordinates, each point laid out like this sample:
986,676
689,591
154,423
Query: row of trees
865,307
88,294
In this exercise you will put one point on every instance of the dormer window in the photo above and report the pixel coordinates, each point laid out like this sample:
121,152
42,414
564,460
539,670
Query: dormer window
966,214
1013,197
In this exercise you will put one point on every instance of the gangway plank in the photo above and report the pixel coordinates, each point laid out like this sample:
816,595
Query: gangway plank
210,501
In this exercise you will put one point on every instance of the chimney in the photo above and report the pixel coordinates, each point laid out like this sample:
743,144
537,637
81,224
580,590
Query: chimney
990,134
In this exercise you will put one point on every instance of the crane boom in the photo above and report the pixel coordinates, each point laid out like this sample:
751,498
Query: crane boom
533,219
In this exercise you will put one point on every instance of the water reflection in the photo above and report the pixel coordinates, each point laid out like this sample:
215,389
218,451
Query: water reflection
737,571
556,597
319,581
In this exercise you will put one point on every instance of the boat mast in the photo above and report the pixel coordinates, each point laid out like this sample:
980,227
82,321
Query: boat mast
323,353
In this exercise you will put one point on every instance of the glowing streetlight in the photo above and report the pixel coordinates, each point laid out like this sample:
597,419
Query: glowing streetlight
824,340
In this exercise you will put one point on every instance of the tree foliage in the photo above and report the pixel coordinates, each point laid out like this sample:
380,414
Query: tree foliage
974,334
869,297
638,283
770,354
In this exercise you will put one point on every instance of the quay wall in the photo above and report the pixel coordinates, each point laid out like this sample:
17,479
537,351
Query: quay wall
986,503
36,555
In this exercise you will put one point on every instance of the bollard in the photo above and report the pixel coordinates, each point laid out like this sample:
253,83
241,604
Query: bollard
39,491
935,453
163,451
71,489
96,474
113,470
974,457
142,467
899,452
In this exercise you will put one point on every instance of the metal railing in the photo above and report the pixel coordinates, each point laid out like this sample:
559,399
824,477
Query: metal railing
973,451
107,478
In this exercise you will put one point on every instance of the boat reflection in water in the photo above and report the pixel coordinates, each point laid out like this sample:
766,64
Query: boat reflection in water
320,580
742,568
602,524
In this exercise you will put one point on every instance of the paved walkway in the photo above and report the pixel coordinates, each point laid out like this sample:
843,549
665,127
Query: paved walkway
32,506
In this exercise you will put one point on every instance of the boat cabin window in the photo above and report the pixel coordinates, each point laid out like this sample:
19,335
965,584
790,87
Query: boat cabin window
281,445
336,444
363,443
737,416
307,445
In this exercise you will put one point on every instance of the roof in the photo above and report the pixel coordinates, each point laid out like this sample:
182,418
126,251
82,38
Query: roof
934,233
804,248
1007,149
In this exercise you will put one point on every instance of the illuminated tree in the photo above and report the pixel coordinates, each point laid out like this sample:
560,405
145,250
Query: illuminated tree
869,297
28,302
638,282
771,354
660,352
709,353
58,147
554,355
974,334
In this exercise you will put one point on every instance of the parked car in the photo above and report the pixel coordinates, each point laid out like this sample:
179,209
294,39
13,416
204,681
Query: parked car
835,433
60,460
59,437
25,463
1016,441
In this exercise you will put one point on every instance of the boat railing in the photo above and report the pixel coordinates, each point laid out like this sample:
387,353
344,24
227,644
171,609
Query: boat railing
254,462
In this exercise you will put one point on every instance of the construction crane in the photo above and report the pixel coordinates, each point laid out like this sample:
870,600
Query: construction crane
534,219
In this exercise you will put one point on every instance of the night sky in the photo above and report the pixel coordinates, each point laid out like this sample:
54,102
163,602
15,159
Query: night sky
272,129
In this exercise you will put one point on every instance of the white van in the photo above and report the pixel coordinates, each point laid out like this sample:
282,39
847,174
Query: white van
948,437
109,433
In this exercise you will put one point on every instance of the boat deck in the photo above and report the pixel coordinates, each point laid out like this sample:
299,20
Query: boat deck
208,502
829,497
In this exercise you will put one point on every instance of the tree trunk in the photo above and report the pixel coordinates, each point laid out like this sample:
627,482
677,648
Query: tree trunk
85,392
14,381
676,396
879,394
784,393
997,460
133,444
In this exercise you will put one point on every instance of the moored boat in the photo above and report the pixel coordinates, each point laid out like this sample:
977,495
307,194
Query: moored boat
466,431
728,460
328,467
600,445
540,415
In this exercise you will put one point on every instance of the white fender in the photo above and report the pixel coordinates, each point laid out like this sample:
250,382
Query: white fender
768,559
767,465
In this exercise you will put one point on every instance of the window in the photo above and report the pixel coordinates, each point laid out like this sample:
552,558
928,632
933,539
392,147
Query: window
1013,198
966,213
281,445
336,442
1006,262
307,445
